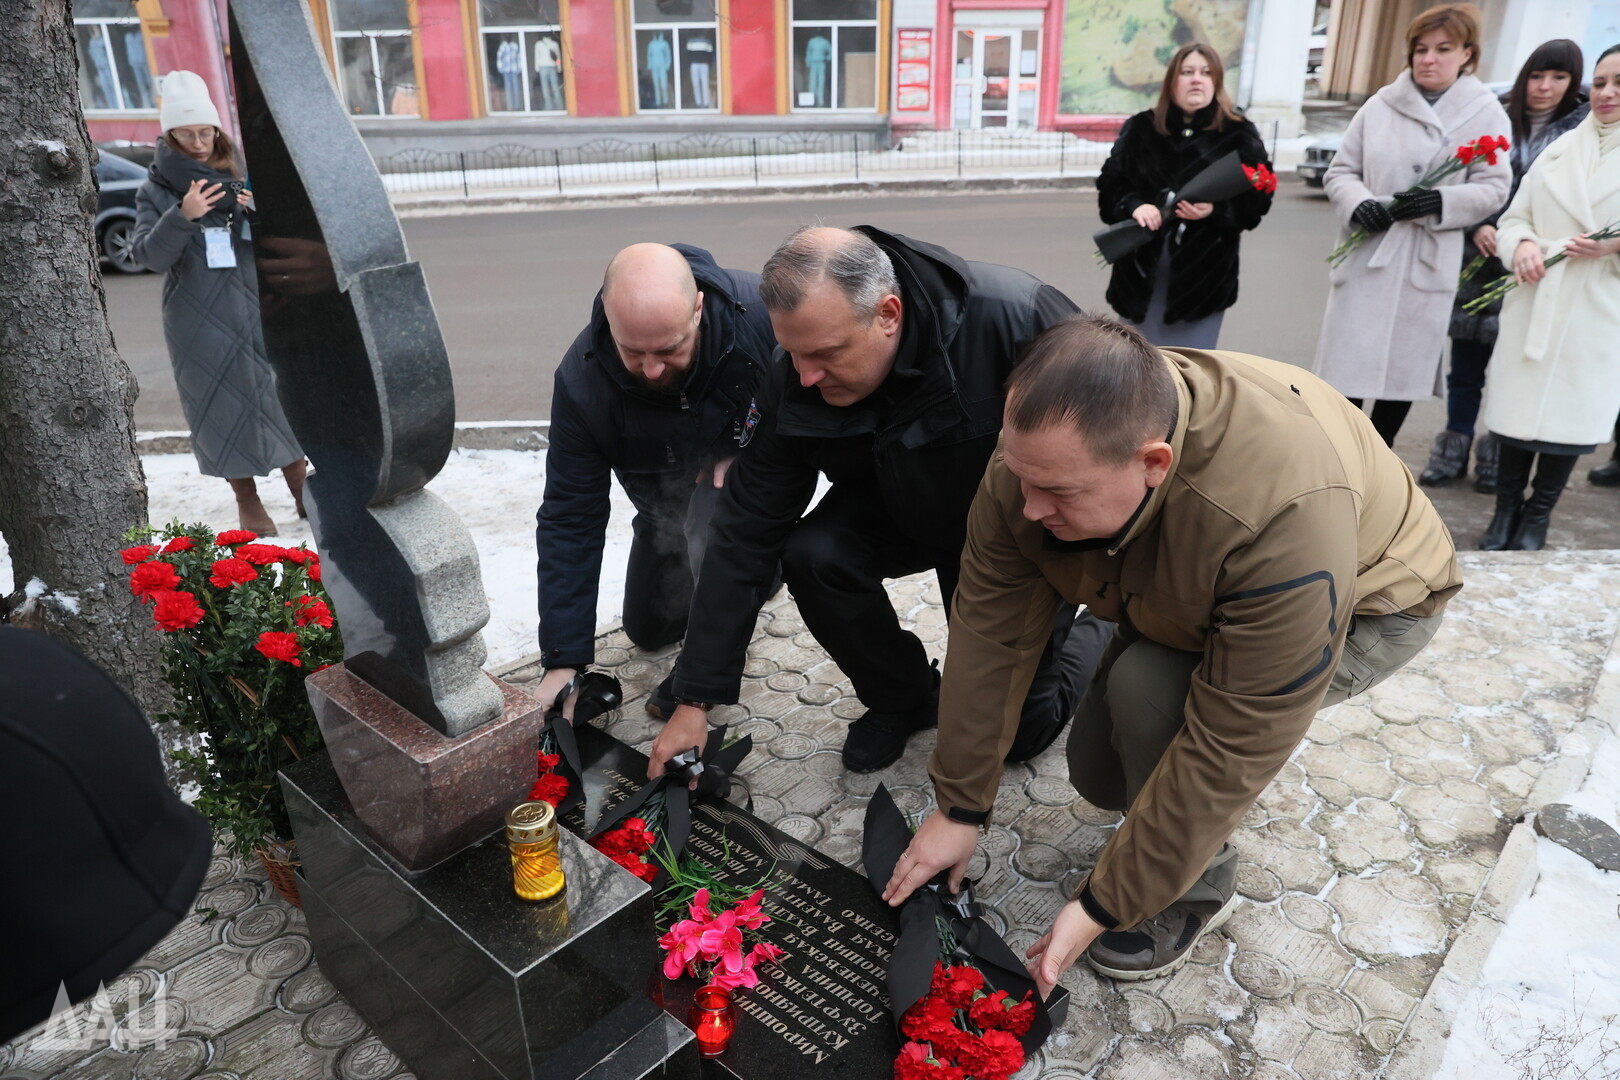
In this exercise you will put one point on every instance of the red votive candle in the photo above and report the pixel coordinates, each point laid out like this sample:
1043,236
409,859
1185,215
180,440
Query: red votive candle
713,1018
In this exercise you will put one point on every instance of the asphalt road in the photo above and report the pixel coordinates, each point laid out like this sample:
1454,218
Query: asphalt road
512,291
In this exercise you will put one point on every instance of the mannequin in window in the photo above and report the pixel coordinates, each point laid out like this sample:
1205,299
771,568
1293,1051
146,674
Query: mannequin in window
106,87
659,60
817,55
509,62
139,88
547,64
699,53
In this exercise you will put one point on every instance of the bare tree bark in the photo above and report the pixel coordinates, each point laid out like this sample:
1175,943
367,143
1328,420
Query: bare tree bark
70,478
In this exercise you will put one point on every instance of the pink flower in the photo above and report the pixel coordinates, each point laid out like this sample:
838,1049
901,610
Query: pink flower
681,947
721,941
744,978
749,915
700,907
765,953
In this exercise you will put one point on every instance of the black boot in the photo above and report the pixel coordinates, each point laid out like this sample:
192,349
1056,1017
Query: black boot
1513,472
1486,450
1608,473
1552,474
1448,458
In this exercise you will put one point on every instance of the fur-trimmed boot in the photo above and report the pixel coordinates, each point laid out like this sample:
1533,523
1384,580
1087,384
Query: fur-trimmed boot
1448,458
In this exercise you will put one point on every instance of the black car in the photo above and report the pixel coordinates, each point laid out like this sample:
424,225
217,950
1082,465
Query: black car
119,178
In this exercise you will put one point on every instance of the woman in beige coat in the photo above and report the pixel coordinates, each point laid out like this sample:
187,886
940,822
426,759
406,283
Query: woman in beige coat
1384,332
1554,382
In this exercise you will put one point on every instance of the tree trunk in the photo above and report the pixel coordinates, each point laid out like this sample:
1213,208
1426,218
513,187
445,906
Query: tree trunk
71,482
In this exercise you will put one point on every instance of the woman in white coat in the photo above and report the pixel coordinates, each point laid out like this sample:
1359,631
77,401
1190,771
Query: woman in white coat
1554,382
1384,332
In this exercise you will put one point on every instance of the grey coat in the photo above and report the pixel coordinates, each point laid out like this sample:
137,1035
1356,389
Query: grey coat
211,323
1384,331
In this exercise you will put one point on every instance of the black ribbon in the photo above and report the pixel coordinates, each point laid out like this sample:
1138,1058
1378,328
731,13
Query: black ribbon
598,693
1221,180
911,965
712,768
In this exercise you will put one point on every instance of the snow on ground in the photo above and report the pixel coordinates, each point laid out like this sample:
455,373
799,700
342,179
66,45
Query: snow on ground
496,492
1548,1000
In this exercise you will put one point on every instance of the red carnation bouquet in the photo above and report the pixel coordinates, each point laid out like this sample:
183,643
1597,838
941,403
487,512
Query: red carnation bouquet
1485,148
1261,178
243,624
960,1029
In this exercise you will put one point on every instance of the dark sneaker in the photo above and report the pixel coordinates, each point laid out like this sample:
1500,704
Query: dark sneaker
1157,947
661,702
877,740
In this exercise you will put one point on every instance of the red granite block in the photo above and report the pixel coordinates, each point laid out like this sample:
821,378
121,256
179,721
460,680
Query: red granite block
421,795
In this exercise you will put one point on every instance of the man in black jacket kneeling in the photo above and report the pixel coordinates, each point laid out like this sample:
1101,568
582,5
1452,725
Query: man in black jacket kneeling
888,380
658,391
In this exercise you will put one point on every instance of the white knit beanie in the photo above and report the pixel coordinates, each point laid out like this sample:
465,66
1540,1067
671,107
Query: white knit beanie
185,101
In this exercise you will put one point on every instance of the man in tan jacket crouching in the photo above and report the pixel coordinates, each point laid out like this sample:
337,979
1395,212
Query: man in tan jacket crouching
1263,553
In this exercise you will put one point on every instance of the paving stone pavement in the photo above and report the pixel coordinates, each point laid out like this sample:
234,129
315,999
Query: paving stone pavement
1361,864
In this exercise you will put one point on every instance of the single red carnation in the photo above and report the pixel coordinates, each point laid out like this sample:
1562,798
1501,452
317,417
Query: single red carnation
149,579
645,871
312,610
313,569
298,554
1466,154
179,543
930,1019
260,554
176,611
138,554
550,788
228,572
235,536
960,983
994,1056
917,1062
549,762
279,646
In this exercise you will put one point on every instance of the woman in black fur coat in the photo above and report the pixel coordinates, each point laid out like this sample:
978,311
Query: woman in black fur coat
1180,299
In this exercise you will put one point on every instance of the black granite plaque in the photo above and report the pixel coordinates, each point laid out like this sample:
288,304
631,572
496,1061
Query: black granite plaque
463,980
824,1005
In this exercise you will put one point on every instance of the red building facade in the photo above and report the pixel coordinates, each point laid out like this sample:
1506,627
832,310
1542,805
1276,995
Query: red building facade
912,64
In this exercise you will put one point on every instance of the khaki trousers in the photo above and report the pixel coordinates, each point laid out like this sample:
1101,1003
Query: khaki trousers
1137,702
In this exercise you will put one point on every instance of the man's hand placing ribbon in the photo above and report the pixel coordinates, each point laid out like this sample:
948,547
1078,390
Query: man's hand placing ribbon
939,844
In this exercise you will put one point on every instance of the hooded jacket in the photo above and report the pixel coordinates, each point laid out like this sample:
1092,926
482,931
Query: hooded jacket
605,422
1283,515
920,443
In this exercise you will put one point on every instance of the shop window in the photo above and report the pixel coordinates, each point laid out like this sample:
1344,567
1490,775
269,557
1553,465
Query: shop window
113,73
523,56
835,54
677,55
376,56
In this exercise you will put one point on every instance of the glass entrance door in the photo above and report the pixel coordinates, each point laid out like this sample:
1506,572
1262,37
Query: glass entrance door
997,78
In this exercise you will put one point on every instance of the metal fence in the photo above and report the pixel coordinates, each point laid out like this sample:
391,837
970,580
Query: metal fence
734,161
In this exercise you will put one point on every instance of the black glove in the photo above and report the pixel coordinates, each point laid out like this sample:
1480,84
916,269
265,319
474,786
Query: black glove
1416,204
1372,216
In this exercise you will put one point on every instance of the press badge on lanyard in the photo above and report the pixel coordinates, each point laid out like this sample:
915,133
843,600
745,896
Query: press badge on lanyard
221,254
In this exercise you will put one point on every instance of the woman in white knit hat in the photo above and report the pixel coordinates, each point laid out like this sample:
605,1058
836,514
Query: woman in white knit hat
191,222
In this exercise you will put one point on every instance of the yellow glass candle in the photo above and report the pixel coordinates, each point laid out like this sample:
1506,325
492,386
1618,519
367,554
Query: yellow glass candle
531,836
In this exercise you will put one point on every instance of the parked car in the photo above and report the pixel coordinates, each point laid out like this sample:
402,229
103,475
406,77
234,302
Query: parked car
119,178
1318,156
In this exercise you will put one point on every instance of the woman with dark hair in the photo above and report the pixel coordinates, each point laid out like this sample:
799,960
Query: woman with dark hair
1545,102
1177,288
1383,335
1555,376
190,222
